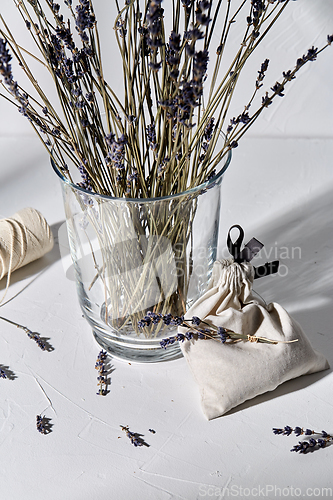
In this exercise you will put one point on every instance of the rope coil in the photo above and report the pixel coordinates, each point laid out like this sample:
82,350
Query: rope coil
24,237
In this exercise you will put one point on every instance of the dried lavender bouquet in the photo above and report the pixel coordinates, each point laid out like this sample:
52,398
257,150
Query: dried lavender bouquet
164,135
160,137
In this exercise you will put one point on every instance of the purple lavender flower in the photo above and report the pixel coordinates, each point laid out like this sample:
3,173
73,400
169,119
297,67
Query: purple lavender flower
5,58
36,337
278,88
135,438
257,11
56,50
86,182
151,136
154,18
154,317
2,373
66,36
84,18
116,154
68,70
312,54
6,73
196,321
200,17
266,100
168,341
322,442
194,35
155,66
102,380
187,4
301,447
174,41
288,75
305,446
261,73
40,424
200,64
222,334
209,129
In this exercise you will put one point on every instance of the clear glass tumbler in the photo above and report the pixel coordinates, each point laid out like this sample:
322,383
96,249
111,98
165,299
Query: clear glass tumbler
132,256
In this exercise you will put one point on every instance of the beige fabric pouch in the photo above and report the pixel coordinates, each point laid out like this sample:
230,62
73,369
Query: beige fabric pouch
230,373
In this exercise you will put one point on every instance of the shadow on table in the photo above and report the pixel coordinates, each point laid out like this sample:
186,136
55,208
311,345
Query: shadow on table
302,240
286,388
38,266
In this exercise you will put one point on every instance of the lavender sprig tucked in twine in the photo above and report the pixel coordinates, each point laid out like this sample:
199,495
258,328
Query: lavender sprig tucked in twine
198,329
321,441
159,137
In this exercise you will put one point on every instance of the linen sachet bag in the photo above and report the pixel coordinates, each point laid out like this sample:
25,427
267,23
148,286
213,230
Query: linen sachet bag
233,371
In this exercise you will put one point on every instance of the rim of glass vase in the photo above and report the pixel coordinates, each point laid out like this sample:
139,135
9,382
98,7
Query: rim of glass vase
204,185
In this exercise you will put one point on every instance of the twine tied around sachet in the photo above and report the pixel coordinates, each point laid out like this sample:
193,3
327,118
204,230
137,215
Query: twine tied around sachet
24,237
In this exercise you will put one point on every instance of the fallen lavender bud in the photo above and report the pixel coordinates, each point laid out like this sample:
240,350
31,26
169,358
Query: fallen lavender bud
36,337
40,424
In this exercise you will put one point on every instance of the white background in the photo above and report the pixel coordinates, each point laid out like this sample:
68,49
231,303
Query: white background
279,188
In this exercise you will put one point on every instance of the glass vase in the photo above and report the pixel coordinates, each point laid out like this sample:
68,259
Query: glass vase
133,256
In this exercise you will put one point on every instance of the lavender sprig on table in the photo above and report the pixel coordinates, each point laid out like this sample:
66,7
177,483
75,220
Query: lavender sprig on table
135,438
32,335
36,337
199,329
102,381
305,446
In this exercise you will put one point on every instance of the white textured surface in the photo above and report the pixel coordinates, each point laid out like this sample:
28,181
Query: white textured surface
87,456
279,188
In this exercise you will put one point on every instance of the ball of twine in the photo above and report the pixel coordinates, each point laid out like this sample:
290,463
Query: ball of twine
24,237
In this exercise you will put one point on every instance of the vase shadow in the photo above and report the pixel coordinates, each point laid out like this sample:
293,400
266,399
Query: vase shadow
39,265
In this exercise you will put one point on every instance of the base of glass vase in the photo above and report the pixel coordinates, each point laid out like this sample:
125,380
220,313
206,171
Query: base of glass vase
127,350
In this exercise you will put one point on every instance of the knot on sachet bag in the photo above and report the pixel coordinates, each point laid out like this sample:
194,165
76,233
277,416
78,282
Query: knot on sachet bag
232,372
